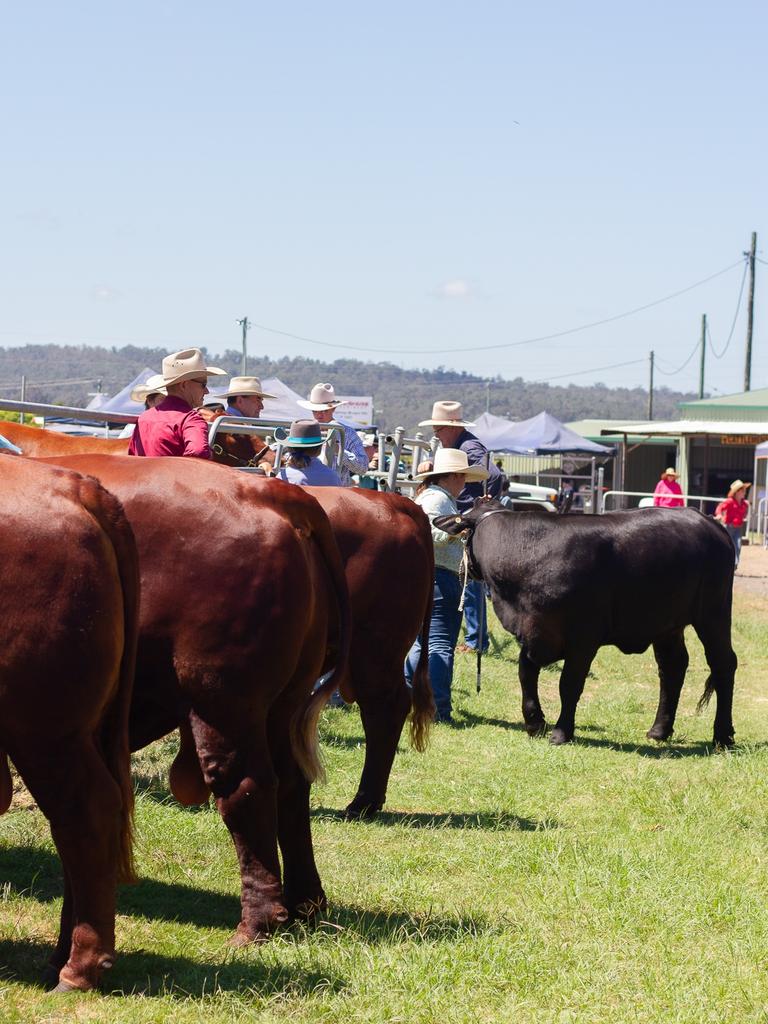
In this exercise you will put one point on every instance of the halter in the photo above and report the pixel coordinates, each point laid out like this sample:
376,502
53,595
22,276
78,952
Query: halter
464,571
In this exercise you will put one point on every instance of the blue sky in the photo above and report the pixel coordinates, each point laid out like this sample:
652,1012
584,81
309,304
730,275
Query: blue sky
403,181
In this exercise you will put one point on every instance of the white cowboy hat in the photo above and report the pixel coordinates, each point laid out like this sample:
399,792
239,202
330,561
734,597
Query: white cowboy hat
737,485
453,460
446,414
322,396
245,386
152,386
185,365
670,471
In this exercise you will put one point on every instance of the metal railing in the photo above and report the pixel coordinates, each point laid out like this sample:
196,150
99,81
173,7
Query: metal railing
66,412
275,432
692,499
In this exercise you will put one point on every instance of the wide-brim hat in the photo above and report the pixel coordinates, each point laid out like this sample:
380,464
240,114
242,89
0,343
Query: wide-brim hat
737,486
446,414
322,396
453,460
670,471
185,365
152,386
245,386
304,434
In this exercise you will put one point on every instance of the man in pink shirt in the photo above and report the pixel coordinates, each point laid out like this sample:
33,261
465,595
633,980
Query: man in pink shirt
174,426
668,493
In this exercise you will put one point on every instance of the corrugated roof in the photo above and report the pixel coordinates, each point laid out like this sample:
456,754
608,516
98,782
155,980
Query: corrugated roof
741,400
676,428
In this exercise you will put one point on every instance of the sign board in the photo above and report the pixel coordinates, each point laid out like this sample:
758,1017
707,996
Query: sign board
743,439
357,409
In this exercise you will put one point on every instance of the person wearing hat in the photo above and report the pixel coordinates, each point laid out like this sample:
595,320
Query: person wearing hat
733,511
322,403
174,426
438,494
303,445
244,397
148,394
452,430
668,493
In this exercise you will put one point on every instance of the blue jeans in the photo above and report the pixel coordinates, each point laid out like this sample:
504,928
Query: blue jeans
443,634
734,532
474,600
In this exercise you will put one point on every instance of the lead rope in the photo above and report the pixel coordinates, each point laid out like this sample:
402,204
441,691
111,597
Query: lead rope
464,573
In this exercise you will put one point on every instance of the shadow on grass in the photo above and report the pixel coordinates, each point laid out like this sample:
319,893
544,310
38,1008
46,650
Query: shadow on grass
36,874
491,821
152,974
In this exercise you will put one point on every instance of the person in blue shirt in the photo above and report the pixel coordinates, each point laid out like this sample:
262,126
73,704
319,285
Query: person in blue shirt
7,446
303,466
452,431
322,403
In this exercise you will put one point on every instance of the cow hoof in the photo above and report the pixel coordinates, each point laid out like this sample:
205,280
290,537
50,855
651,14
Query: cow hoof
361,810
536,729
309,909
558,737
63,987
244,937
660,735
724,743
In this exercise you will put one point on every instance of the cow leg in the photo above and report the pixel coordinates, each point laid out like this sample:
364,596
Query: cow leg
383,715
672,659
572,680
533,716
304,896
82,802
239,773
722,662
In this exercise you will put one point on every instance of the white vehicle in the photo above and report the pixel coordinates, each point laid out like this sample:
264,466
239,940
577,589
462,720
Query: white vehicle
534,494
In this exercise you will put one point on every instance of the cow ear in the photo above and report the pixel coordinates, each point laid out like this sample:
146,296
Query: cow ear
452,524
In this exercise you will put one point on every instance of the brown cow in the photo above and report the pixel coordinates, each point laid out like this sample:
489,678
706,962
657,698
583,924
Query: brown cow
40,444
386,545
232,663
69,616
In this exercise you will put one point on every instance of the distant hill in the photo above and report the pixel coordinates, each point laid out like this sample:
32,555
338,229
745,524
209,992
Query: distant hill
401,397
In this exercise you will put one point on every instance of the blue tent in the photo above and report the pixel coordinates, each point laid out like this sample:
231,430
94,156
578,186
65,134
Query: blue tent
540,435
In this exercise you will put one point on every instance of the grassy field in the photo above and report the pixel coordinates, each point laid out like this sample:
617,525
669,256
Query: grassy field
609,880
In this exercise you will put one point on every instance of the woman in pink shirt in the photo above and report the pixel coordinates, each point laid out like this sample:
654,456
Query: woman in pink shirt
668,493
733,511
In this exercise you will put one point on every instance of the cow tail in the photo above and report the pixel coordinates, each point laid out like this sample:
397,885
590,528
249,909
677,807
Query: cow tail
705,698
114,734
304,738
422,700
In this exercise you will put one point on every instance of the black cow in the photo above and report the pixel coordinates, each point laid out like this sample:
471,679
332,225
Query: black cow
567,585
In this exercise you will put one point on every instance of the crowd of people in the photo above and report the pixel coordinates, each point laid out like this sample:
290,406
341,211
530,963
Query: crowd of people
178,409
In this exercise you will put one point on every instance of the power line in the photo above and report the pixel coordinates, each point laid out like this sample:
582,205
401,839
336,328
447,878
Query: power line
595,369
506,344
671,373
735,317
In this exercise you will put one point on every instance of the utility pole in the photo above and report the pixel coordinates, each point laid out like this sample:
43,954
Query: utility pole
487,396
244,362
650,391
750,312
703,352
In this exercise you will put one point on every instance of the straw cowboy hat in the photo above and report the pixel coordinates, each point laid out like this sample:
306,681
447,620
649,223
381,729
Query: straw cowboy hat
737,486
453,460
322,396
185,365
670,472
446,414
152,386
304,434
245,386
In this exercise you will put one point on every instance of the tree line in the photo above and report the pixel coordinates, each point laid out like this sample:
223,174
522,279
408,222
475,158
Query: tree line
400,397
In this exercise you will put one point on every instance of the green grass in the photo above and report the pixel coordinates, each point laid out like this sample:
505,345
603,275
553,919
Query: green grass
609,880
